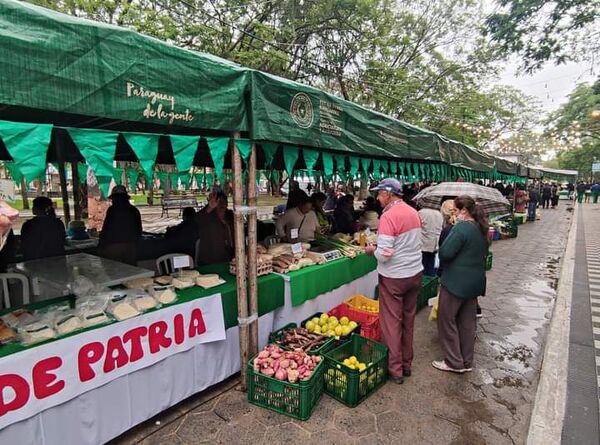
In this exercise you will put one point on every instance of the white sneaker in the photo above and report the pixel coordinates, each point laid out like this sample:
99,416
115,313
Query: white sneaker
442,366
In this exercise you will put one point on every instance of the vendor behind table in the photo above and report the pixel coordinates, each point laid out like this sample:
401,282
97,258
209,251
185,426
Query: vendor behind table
298,224
44,234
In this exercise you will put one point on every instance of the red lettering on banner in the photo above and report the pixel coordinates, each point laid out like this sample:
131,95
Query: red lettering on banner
45,383
88,354
197,326
134,336
179,330
21,388
112,361
157,337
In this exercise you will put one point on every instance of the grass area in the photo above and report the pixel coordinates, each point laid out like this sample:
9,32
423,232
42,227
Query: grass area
140,199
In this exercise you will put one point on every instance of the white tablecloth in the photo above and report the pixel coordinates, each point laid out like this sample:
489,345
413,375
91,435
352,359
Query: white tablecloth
105,412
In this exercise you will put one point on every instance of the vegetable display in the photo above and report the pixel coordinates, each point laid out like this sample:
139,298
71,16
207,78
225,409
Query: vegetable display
300,338
290,366
347,249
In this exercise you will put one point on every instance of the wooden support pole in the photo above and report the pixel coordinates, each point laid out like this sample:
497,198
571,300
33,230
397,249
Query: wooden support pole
240,258
64,192
252,241
76,191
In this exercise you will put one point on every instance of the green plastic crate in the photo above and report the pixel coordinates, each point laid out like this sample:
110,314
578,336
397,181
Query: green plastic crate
276,335
429,289
296,400
351,386
489,260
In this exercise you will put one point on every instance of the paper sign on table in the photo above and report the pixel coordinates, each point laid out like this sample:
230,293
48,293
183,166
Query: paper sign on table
296,248
181,262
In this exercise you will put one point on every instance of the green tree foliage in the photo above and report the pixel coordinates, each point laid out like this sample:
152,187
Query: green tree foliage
575,127
424,62
541,31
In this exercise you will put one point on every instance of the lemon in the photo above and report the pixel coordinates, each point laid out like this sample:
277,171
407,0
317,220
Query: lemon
315,320
344,321
353,325
347,362
353,359
362,366
346,330
317,329
338,330
310,325
324,317
333,322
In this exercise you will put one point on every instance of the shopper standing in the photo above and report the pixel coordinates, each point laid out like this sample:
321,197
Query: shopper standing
398,254
595,192
462,256
546,195
580,191
122,229
534,198
431,227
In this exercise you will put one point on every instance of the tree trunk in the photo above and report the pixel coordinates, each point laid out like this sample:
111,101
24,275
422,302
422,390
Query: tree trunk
24,194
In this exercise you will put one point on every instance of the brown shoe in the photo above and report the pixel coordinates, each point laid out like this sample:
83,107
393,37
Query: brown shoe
406,372
397,380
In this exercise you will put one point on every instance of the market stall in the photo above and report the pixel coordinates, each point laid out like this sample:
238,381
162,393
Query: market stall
105,94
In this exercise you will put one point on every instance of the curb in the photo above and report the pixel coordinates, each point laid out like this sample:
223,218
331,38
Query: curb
548,413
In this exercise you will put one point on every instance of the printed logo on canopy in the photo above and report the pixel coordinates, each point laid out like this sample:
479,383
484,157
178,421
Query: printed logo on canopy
301,110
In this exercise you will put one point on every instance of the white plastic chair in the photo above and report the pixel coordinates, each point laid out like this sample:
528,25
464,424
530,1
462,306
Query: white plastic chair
5,277
164,264
270,240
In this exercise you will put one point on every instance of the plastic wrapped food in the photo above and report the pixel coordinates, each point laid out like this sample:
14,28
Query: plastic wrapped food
144,302
164,294
164,280
68,322
179,283
35,332
139,283
16,317
7,334
209,280
124,310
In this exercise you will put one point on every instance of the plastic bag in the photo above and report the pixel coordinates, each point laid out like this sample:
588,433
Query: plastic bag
434,308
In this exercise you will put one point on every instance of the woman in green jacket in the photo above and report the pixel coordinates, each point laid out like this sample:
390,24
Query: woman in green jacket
462,256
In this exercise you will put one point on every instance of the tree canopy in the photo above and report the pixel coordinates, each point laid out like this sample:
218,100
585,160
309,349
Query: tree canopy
575,128
424,62
540,31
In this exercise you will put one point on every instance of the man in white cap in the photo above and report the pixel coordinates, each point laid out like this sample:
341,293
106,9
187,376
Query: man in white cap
400,269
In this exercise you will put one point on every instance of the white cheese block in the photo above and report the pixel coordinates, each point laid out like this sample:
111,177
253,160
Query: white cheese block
36,332
123,311
94,317
143,303
68,324
167,296
209,280
139,283
182,284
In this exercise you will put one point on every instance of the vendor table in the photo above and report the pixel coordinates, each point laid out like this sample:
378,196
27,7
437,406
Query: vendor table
54,276
106,411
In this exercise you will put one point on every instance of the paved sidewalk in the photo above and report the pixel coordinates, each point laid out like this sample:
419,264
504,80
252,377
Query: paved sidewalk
492,405
582,419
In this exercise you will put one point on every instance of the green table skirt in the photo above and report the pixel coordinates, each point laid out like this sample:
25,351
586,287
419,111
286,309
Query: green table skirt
270,292
313,281
270,297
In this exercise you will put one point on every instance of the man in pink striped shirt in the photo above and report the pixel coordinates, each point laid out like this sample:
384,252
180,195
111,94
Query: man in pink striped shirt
400,269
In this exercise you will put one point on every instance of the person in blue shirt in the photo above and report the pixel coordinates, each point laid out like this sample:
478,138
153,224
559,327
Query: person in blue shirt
595,192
